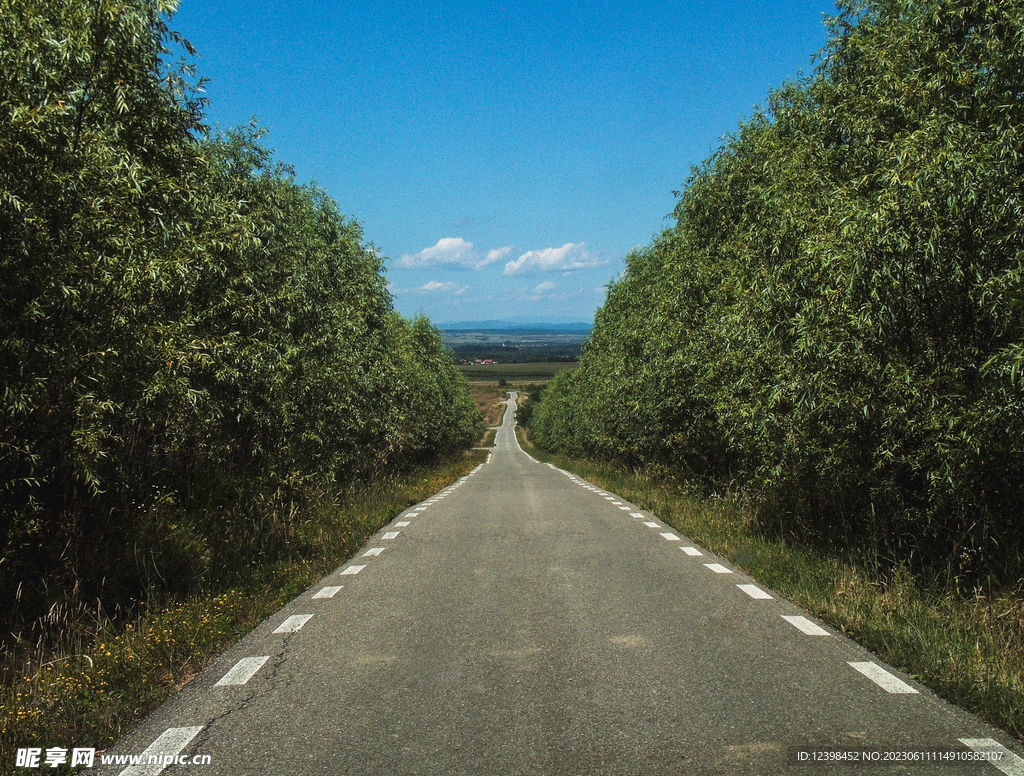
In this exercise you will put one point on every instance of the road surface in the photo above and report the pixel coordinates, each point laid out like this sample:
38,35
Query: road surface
524,621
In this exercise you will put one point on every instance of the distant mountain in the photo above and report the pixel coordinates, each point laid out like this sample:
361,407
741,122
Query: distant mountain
516,326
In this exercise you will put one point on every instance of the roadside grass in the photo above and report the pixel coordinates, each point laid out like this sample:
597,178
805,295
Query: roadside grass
489,435
96,677
966,646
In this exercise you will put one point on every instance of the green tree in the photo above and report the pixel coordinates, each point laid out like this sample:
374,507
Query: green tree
833,324
190,338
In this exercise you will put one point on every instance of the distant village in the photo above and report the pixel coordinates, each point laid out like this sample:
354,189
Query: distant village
476,361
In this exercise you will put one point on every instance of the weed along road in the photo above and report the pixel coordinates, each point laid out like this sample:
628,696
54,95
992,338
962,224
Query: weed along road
524,621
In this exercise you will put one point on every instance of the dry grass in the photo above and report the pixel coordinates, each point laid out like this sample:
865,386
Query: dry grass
490,400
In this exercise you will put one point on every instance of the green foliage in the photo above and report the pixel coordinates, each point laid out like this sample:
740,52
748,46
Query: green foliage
187,332
534,394
834,322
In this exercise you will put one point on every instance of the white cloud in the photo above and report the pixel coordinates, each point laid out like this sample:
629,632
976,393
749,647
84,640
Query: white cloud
570,256
495,255
449,250
545,290
450,288
452,251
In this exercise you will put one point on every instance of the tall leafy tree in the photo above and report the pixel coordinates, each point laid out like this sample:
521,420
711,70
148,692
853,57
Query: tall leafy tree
188,334
834,321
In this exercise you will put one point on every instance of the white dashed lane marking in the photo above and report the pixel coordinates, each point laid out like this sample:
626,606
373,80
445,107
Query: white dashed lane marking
752,590
883,678
170,742
1002,758
293,623
327,592
805,625
243,670
625,509
174,740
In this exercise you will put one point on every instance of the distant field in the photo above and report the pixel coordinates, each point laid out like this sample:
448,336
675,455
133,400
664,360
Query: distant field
513,372
516,345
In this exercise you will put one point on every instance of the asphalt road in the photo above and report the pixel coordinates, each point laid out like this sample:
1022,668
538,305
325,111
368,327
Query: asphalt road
525,622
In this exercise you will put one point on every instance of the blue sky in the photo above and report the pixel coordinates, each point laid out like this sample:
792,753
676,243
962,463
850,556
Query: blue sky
505,157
